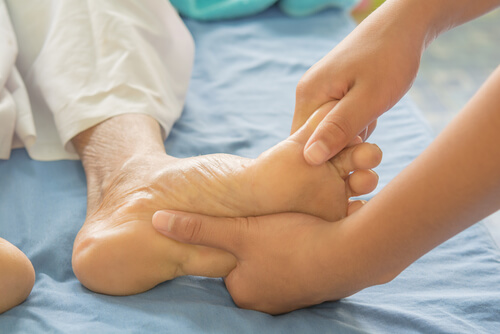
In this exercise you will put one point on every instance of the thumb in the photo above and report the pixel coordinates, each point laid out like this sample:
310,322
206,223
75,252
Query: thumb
351,115
216,232
303,134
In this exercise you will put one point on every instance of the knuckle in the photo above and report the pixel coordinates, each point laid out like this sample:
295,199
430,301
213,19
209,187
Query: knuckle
246,224
337,128
243,228
192,229
302,88
301,98
305,87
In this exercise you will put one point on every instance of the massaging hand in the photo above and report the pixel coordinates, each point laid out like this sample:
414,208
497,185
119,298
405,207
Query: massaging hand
368,72
279,257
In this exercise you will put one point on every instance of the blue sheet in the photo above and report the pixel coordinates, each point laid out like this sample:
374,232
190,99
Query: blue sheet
241,101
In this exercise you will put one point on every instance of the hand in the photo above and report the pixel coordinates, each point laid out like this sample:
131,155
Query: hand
284,261
367,74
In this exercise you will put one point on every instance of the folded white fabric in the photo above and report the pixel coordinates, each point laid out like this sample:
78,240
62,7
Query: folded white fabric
7,123
25,133
8,52
84,61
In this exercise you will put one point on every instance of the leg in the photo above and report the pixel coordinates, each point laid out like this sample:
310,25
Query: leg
17,276
129,177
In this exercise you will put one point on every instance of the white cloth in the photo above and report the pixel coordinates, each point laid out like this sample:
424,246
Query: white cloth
16,121
84,61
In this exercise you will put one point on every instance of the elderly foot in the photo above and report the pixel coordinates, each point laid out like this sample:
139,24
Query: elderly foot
117,250
17,276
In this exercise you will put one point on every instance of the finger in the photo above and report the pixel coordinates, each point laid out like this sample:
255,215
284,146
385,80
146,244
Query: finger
363,134
216,232
355,206
303,134
299,119
348,118
308,97
356,141
370,130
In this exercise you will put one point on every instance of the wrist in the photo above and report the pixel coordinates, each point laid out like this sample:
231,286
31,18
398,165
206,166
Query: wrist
351,260
407,20
425,20
340,266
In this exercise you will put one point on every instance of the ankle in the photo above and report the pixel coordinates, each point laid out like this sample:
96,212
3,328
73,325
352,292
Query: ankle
108,146
118,138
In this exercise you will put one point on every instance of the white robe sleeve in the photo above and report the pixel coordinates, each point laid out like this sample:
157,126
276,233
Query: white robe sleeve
84,61
8,52
25,132
7,123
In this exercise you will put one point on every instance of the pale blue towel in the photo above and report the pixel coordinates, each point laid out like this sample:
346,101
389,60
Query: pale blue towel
241,101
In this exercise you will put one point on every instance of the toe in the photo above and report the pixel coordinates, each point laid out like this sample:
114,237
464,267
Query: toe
362,182
362,156
366,156
355,206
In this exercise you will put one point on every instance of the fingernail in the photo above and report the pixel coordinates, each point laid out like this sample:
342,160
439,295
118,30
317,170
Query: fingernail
163,221
317,153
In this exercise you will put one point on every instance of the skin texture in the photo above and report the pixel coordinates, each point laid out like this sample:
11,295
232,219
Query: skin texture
17,276
454,183
130,177
440,194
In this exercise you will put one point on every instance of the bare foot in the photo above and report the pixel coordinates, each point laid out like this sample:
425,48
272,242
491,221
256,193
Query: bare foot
117,250
17,276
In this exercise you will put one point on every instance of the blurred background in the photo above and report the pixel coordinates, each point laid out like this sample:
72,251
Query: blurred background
453,68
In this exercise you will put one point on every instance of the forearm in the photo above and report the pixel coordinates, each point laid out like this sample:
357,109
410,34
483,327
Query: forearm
451,186
447,14
424,20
